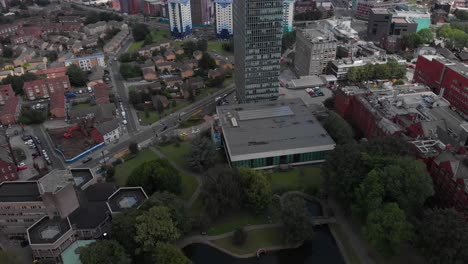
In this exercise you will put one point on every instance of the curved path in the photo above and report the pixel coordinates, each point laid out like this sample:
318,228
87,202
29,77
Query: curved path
185,171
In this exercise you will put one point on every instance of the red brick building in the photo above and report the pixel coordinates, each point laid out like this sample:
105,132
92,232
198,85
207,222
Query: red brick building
8,171
6,91
356,106
10,111
9,29
101,94
45,88
449,172
446,78
57,105
53,72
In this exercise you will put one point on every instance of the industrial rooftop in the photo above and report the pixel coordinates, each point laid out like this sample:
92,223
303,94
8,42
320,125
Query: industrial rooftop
126,199
272,128
19,192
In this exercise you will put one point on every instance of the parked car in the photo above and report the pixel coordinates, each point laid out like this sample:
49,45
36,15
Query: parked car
88,159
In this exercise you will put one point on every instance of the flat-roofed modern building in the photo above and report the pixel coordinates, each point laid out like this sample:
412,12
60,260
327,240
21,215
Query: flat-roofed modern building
314,49
270,134
126,199
258,27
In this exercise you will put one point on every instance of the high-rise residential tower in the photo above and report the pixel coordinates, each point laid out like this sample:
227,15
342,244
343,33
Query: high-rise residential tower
201,12
180,18
258,27
288,15
223,16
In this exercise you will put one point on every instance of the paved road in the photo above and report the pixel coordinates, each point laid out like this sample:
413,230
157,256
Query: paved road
171,121
57,160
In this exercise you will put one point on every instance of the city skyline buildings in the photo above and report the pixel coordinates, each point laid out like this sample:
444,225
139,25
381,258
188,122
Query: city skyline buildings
180,18
223,18
258,27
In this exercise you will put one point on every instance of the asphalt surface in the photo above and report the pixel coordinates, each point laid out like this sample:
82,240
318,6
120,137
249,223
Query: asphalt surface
206,105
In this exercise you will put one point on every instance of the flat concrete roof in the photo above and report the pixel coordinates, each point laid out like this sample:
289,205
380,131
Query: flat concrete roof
282,127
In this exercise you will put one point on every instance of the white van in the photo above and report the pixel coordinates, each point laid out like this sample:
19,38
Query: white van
90,90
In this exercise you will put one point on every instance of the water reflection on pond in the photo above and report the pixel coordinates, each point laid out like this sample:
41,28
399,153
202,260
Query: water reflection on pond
322,250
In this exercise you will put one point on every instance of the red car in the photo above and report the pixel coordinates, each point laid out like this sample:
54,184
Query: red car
22,166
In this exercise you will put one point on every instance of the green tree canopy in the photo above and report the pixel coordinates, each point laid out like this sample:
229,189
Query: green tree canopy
17,82
369,195
338,128
169,254
202,154
124,230
189,47
104,252
407,182
443,236
76,75
221,191
180,213
390,70
153,226
426,35
296,219
387,229
454,37
289,38
256,189
156,175
7,52
129,71
207,62
140,31
202,45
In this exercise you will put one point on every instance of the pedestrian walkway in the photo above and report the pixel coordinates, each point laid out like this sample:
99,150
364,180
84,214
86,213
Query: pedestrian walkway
355,240
185,171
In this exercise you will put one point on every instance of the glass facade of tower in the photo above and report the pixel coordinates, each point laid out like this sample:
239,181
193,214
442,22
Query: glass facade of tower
258,27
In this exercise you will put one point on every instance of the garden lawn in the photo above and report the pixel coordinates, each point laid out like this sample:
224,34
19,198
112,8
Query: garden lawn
122,171
256,239
189,185
234,220
295,180
135,46
160,34
81,106
176,154
144,120
217,46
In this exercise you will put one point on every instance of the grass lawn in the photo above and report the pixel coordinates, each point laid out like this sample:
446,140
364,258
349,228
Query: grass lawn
197,207
234,220
346,244
144,120
176,154
122,171
189,185
217,46
135,46
154,116
256,239
160,34
81,106
300,178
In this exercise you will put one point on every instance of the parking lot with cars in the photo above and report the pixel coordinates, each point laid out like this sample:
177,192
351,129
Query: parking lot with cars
30,155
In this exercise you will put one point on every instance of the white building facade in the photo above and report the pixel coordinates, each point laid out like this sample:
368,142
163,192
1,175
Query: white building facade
180,18
223,16
288,15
